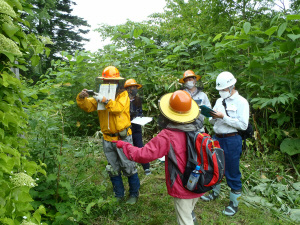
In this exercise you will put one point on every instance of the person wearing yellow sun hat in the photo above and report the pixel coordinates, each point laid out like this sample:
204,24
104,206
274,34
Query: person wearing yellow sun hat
180,112
115,125
189,81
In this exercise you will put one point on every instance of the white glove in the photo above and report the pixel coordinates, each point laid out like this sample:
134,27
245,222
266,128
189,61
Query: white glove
98,97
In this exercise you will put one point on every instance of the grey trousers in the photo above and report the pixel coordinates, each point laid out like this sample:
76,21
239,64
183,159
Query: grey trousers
117,160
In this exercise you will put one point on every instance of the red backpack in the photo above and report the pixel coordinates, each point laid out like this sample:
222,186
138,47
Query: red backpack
202,150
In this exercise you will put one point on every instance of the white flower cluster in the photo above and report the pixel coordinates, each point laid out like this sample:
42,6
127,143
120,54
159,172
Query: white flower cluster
5,19
9,46
6,9
22,179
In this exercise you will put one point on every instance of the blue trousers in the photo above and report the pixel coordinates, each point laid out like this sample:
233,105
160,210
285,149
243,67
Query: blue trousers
137,140
118,187
232,147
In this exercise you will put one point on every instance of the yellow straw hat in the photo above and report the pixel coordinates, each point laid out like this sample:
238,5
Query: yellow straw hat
179,107
189,73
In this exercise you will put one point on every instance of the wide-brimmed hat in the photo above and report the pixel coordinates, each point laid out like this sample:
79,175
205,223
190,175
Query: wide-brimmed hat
189,73
179,107
132,82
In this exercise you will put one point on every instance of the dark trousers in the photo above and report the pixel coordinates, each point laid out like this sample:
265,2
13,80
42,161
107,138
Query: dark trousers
138,142
232,147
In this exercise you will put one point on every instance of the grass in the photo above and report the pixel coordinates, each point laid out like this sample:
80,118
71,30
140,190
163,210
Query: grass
154,206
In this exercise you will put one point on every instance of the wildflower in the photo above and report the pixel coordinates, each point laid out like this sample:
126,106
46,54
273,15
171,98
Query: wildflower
7,45
6,9
22,179
24,217
37,178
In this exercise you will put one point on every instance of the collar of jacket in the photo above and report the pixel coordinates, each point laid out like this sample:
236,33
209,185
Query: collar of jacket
183,127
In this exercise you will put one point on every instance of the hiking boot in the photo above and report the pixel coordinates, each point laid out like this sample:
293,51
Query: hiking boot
235,197
230,210
119,199
147,172
132,200
209,197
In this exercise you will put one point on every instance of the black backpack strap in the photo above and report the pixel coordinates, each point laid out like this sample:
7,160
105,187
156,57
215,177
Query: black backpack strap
173,166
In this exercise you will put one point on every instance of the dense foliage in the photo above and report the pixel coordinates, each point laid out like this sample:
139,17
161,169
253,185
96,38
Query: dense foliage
44,172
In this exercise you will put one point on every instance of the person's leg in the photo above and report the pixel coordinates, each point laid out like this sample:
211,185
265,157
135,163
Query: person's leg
214,194
118,186
113,168
184,209
233,149
129,169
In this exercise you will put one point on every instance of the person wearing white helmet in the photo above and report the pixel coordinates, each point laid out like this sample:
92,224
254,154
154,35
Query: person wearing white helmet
231,114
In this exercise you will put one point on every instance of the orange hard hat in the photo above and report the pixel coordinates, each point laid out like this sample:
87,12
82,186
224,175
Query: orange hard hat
179,107
111,73
189,73
132,82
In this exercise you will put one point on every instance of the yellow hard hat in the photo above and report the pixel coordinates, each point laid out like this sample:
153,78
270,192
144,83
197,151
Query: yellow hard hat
179,107
132,82
189,73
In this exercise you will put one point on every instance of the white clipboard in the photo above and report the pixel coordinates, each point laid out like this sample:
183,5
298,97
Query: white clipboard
108,91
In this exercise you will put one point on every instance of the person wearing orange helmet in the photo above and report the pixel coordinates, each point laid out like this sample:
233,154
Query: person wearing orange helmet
180,111
115,125
189,80
136,110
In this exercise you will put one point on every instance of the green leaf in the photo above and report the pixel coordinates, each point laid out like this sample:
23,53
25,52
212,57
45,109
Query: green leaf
194,42
137,32
291,146
146,40
293,17
271,30
295,215
88,208
281,29
247,27
176,49
296,186
10,29
9,55
35,60
217,37
293,36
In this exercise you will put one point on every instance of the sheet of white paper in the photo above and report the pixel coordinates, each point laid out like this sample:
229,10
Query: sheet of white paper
109,91
141,120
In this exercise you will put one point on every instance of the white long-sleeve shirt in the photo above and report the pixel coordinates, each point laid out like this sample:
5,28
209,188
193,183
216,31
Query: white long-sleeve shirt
238,111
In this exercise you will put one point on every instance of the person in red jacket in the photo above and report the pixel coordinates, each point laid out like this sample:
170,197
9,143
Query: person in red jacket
180,111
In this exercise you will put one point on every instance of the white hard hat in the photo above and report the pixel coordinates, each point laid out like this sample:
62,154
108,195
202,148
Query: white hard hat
225,80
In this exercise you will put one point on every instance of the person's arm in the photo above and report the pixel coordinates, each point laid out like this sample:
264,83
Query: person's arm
119,104
157,147
86,103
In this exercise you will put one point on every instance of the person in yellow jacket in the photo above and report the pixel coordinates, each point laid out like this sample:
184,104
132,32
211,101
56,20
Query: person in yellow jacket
115,125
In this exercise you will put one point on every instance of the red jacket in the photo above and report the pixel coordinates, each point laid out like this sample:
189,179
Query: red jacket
167,143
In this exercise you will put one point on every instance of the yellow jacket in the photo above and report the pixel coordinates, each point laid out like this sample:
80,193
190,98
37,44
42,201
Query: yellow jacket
114,119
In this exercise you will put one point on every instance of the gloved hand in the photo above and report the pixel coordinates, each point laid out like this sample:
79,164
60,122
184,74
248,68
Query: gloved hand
98,97
83,94
120,144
